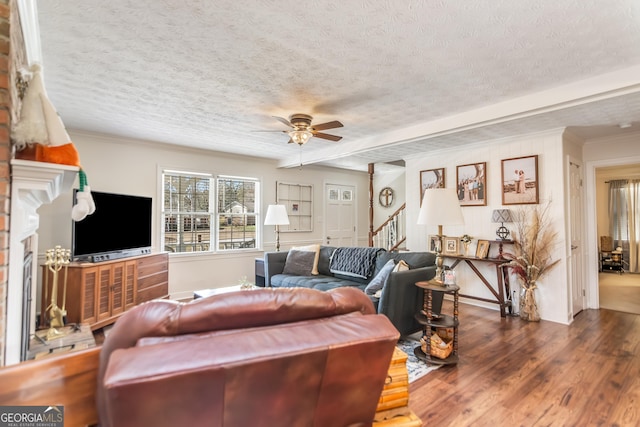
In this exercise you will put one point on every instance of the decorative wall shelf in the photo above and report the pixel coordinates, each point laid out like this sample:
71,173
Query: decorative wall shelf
298,199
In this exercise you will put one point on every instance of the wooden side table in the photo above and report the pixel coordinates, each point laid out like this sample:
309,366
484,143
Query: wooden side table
429,321
204,293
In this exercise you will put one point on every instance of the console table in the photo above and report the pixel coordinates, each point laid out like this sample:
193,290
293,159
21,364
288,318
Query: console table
99,292
503,287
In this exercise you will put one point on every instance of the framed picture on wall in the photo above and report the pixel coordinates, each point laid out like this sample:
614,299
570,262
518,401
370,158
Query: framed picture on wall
451,245
520,180
431,178
472,183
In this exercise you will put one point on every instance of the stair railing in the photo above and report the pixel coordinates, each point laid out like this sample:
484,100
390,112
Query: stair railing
392,233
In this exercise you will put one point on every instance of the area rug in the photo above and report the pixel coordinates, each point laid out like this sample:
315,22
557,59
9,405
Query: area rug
416,368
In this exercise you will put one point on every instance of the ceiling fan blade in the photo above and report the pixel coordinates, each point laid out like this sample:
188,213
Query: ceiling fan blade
327,136
283,120
328,125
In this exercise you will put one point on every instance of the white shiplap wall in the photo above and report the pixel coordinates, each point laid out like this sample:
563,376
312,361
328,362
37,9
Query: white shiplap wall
553,289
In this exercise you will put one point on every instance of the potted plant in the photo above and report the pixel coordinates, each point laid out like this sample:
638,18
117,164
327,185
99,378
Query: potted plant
245,284
466,240
533,245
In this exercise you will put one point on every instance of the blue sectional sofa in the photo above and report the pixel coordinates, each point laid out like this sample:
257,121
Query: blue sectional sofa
399,299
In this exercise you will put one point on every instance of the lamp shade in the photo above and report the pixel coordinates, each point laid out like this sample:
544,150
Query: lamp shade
440,206
501,215
276,215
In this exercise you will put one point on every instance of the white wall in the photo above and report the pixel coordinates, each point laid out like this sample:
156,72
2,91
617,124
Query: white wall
129,166
394,179
132,167
553,288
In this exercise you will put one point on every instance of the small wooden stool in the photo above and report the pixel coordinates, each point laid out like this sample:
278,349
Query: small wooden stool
409,419
392,406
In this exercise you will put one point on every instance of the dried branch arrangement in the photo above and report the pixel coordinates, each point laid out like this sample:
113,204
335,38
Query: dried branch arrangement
533,243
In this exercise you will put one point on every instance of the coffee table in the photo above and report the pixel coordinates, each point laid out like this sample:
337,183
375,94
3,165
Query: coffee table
202,293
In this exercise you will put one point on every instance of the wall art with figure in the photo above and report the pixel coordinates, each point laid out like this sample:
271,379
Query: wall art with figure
472,184
431,178
520,180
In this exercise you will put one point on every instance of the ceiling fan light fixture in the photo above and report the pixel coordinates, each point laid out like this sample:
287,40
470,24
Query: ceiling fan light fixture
300,137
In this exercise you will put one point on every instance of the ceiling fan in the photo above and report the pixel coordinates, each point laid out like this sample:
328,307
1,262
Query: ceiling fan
302,130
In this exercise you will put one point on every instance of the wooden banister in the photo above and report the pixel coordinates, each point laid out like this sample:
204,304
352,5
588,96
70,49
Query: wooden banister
391,217
371,171
391,234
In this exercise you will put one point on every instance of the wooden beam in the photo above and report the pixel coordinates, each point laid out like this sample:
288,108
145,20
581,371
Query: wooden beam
371,196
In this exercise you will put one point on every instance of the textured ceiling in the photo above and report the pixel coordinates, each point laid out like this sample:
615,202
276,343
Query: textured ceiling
403,76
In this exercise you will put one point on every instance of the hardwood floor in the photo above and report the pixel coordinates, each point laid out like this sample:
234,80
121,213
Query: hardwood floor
517,373
620,292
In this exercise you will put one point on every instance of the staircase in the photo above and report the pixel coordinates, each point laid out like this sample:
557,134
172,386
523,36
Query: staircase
392,233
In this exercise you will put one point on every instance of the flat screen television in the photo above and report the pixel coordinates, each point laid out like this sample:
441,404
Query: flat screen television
120,227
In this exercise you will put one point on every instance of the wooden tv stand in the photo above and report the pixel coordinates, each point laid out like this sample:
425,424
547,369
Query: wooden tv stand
97,293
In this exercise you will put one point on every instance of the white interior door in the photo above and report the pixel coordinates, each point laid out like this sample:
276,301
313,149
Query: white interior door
340,215
576,229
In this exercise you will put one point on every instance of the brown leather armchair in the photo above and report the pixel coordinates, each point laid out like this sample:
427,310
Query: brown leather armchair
265,357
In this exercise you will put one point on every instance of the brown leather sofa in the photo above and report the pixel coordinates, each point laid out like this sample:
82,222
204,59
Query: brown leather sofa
265,357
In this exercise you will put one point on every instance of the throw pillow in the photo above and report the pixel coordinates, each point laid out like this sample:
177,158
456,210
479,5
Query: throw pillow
401,266
379,280
315,249
299,263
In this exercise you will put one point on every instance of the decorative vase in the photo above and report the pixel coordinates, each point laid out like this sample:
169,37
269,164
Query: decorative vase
466,248
528,303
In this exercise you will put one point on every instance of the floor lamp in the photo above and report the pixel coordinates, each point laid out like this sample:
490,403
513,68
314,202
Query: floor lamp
440,206
276,215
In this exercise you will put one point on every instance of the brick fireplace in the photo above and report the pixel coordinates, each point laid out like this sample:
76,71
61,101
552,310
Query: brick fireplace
18,48
8,47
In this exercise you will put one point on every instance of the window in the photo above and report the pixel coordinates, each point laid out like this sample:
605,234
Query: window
190,209
237,216
618,212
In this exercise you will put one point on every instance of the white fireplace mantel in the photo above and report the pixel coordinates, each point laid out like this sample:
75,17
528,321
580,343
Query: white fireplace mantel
32,185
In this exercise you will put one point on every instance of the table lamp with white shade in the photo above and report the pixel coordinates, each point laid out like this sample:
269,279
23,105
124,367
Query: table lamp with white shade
501,216
277,215
440,206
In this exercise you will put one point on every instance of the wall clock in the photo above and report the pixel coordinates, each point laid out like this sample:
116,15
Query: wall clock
386,197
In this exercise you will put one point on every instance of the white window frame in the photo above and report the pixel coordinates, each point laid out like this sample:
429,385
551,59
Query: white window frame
213,214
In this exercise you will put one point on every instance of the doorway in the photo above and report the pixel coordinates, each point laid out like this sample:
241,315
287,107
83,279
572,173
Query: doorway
619,291
340,215
576,226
